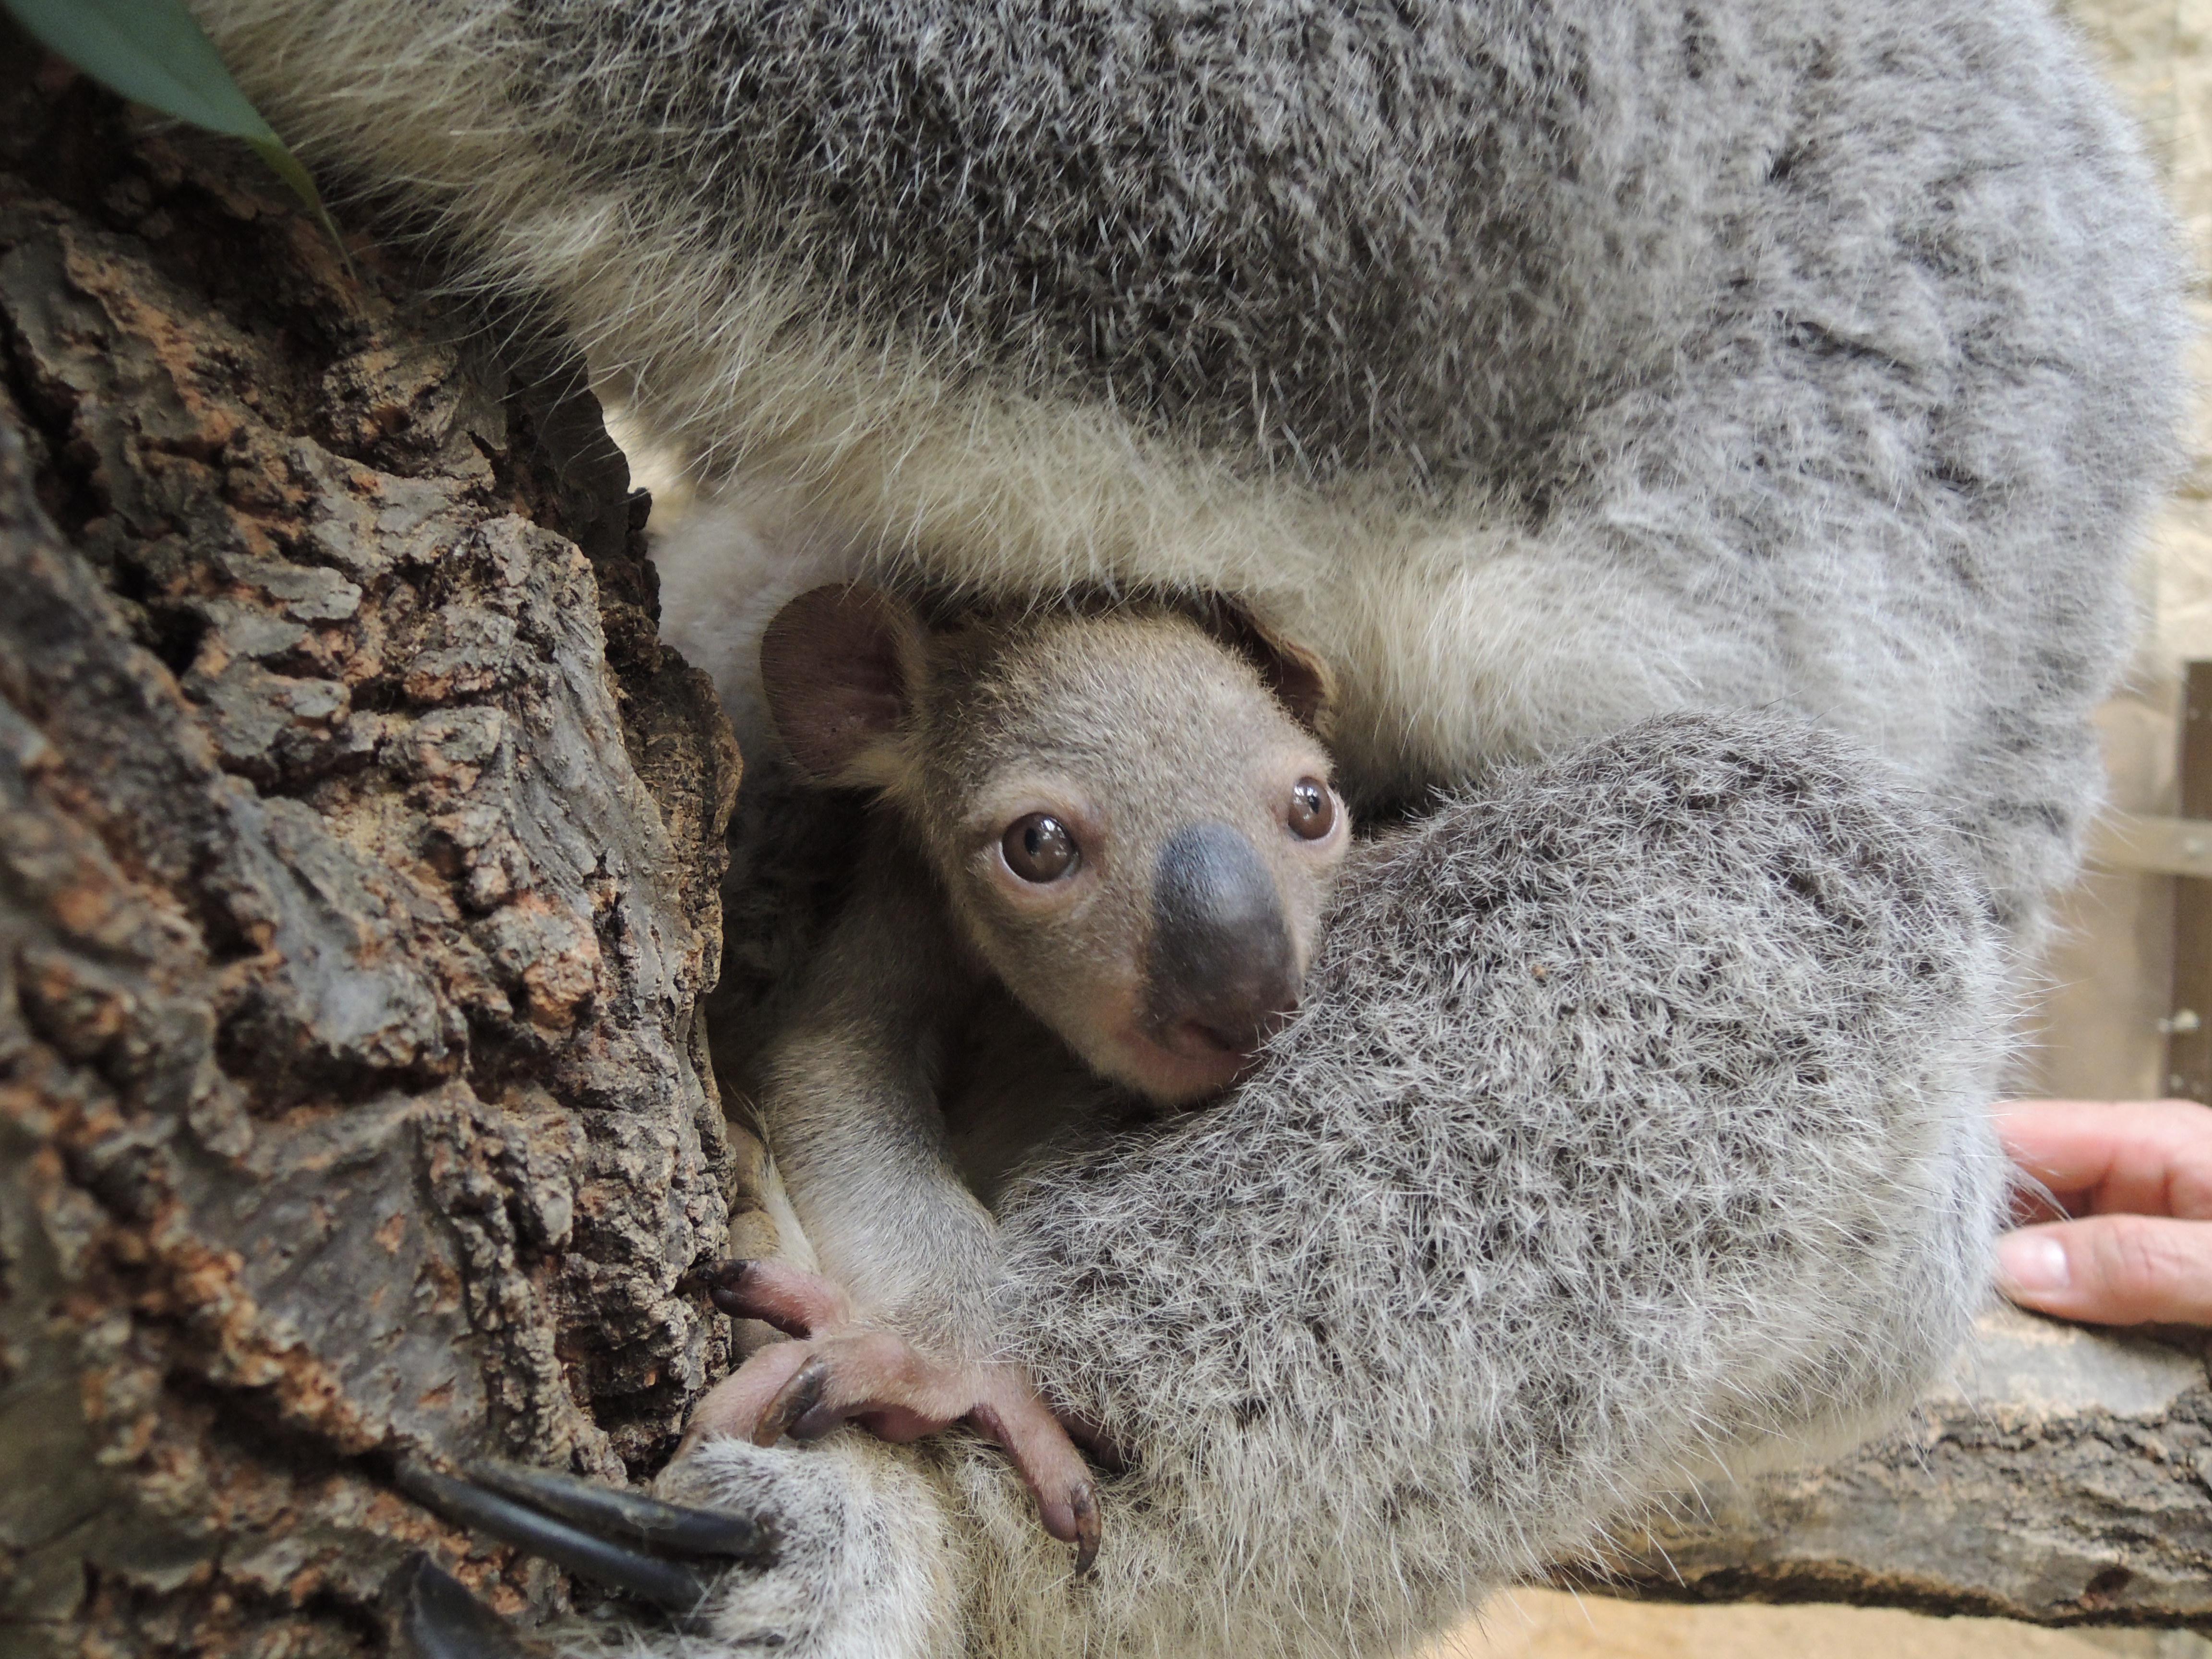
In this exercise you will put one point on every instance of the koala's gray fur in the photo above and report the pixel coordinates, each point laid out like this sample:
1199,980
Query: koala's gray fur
1573,1181
1540,365
1543,365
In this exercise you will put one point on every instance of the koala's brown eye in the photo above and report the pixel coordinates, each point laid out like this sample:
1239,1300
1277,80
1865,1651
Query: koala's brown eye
1313,808
1039,848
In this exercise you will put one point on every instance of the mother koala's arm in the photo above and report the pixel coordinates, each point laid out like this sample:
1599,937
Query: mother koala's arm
1635,1127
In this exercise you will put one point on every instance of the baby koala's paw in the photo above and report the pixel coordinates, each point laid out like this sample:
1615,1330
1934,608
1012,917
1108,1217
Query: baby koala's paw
840,1370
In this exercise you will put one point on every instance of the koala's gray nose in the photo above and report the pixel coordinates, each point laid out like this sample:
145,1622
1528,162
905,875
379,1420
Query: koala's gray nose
1221,972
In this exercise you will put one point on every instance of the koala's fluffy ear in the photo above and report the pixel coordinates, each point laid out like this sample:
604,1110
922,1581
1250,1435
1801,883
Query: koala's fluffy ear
840,665
1301,679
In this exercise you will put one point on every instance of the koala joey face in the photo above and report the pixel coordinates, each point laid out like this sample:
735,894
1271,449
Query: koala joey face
1138,838
1130,826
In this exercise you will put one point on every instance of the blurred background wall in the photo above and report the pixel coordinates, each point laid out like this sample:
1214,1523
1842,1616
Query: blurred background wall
2097,1035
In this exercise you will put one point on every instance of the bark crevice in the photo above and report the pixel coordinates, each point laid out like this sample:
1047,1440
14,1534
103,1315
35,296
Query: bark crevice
359,852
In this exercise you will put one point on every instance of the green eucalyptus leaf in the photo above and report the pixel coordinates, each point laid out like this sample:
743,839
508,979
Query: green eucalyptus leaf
155,53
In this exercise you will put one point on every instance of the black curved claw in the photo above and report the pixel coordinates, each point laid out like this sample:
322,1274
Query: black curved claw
724,1283
1084,1500
794,1412
667,1584
661,1528
439,1619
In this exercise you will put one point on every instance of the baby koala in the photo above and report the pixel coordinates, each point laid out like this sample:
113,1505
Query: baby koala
1117,825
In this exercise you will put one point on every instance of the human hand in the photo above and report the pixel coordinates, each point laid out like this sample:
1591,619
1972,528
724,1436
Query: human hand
2134,1180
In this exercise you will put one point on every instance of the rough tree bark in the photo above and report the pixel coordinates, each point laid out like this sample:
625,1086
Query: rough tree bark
358,858
358,855
2065,1477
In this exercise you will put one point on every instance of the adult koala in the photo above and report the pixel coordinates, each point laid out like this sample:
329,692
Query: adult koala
1545,367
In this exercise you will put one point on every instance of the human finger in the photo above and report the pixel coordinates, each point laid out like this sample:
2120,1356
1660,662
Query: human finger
2112,1269
2139,1157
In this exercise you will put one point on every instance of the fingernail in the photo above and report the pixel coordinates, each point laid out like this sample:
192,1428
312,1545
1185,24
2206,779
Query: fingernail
2034,1262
